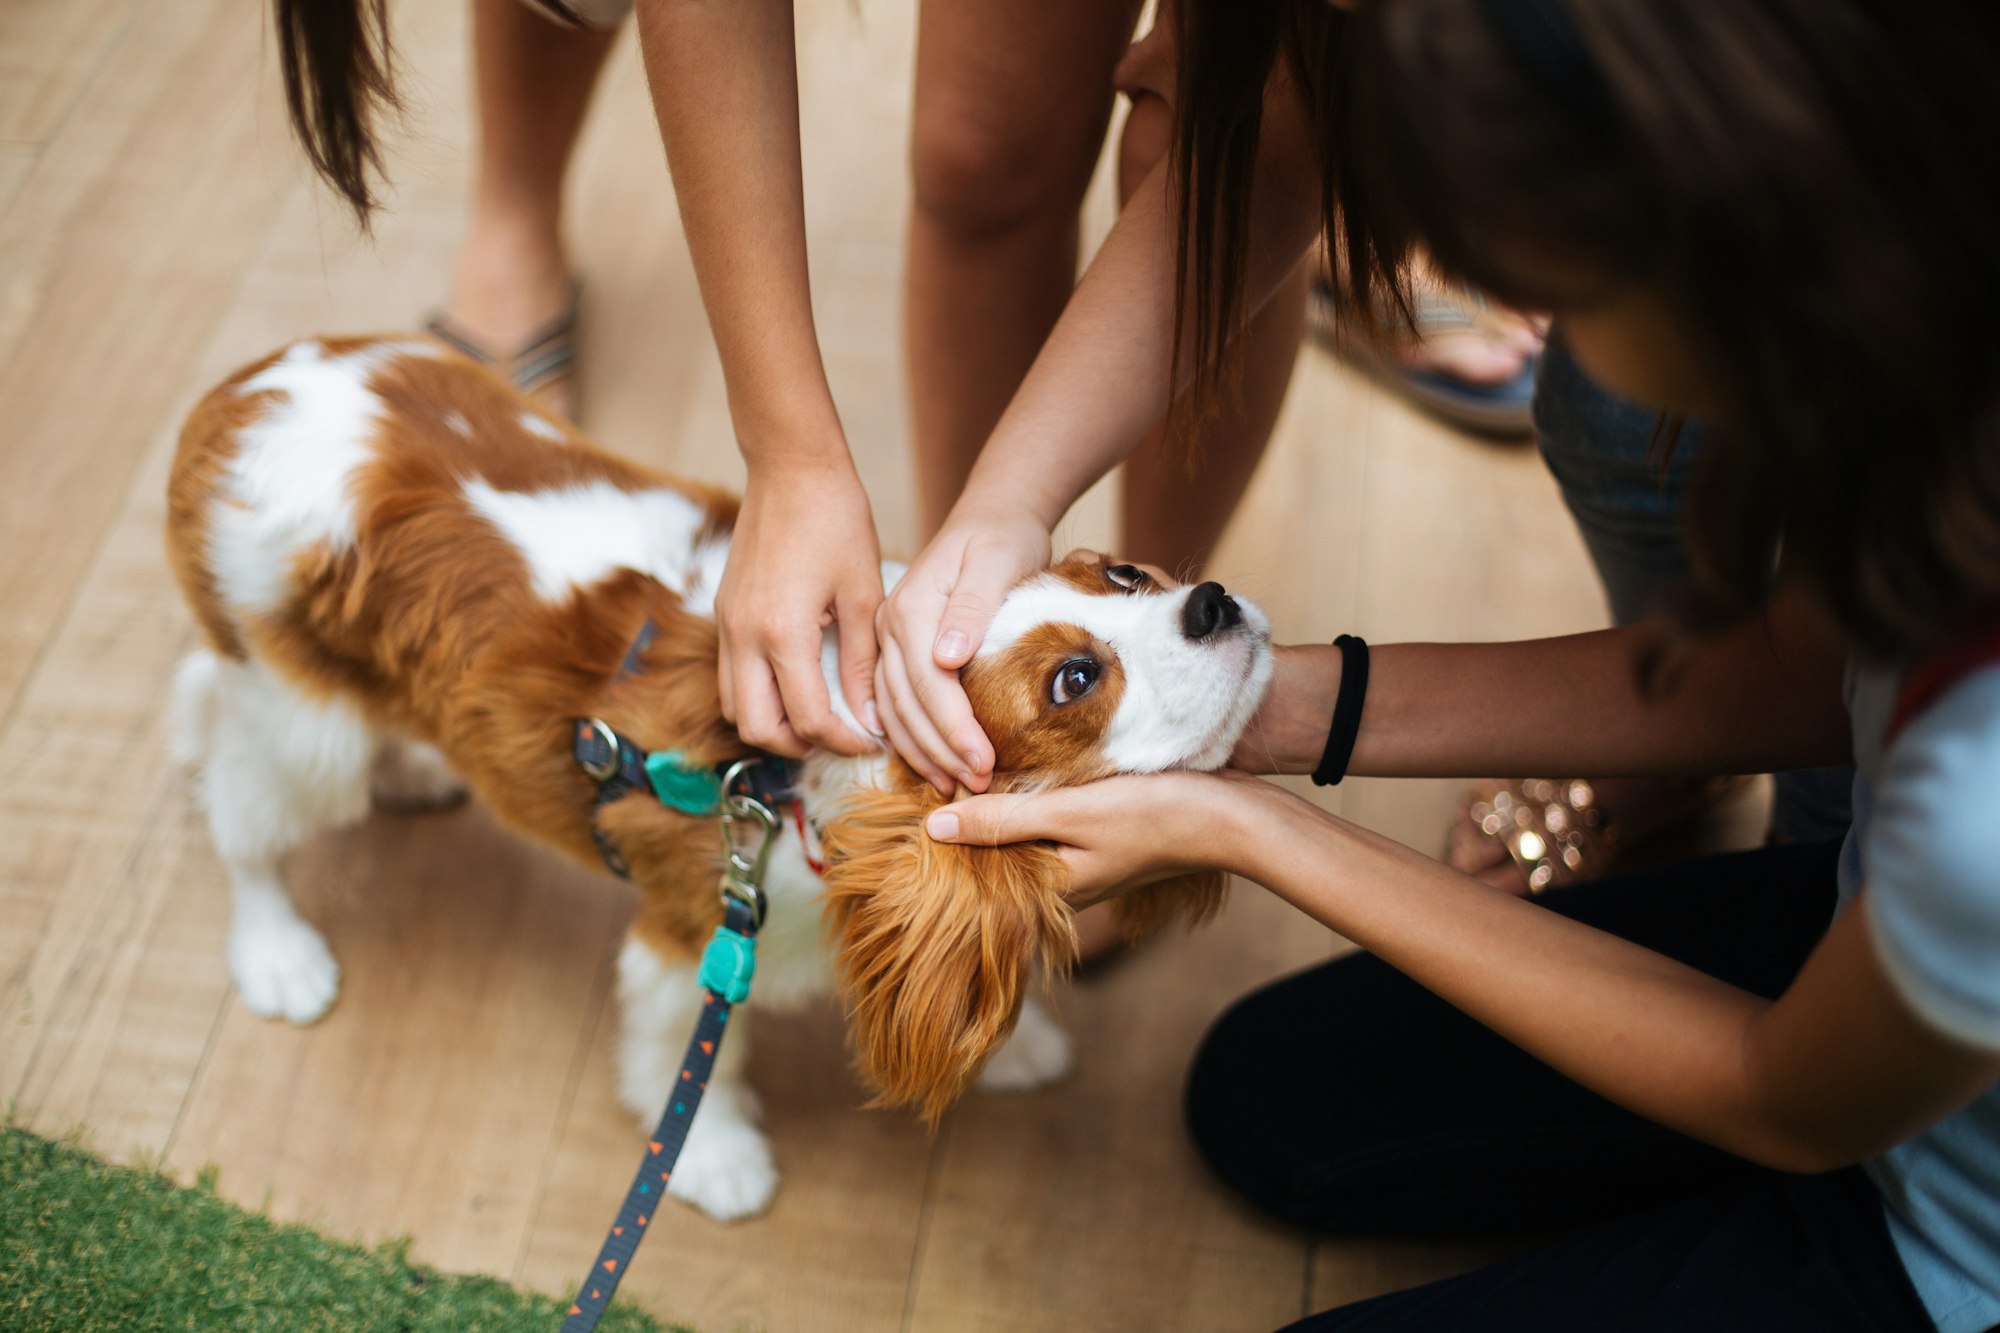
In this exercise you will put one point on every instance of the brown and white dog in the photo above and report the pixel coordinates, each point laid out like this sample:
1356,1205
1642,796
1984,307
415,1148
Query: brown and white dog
412,581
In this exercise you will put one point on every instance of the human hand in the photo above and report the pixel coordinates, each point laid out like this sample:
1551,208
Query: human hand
1120,832
803,556
932,624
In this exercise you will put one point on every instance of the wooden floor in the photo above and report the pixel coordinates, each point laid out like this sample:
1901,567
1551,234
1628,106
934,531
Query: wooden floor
156,230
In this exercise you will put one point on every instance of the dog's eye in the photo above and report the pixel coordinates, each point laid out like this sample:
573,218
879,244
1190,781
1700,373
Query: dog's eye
1129,577
1074,680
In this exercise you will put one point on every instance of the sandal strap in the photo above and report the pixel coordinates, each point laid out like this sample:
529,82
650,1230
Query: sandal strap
1433,314
438,328
547,355
1436,314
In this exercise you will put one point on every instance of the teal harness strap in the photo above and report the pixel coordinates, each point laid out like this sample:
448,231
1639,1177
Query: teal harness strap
683,785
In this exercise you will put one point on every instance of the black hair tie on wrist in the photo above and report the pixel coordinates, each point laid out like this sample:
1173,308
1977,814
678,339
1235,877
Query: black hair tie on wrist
1346,711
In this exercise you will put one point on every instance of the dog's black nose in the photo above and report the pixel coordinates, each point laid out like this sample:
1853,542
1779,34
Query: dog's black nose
1209,610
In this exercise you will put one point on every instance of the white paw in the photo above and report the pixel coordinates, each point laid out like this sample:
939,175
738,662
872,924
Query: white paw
726,1168
410,777
283,969
1037,1053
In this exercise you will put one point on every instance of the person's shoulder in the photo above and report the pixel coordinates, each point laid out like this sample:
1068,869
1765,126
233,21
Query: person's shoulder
1931,862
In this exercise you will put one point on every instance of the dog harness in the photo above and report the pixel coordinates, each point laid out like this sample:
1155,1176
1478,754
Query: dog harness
620,765
744,796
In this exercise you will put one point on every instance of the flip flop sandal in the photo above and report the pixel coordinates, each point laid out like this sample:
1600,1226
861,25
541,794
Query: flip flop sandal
1503,410
547,359
1553,829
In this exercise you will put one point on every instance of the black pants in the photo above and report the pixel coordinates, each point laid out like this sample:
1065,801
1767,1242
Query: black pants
1349,1099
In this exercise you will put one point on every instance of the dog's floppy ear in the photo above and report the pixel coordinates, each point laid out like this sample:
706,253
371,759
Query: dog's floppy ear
1195,897
935,943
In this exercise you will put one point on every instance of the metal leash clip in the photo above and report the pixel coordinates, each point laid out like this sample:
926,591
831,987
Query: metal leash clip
749,831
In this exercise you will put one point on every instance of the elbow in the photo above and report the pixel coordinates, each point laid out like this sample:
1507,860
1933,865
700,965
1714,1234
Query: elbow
1799,1156
1805,1150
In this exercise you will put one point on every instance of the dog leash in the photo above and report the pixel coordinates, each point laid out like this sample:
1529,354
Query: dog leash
744,797
749,830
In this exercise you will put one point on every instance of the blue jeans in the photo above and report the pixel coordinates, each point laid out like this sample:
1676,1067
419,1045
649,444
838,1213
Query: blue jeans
1627,503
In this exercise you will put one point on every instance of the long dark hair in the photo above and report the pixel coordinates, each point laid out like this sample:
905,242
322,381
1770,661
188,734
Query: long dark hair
1811,186
339,71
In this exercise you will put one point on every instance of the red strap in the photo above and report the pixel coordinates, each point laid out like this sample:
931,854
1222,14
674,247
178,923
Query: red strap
805,841
1930,680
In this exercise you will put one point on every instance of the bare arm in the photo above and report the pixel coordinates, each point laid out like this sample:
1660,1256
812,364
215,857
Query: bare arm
724,81
1763,697
1102,378
1835,1070
1100,382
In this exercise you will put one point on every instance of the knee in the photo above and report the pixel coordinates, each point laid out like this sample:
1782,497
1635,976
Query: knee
1238,1103
977,173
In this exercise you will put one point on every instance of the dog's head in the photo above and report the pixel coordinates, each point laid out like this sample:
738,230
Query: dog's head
1089,668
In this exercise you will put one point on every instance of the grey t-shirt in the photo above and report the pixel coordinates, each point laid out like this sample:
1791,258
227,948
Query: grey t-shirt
1926,846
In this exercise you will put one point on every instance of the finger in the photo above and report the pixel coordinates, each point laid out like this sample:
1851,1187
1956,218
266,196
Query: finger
858,650
808,707
761,721
1083,872
967,613
922,748
991,821
901,742
725,685
947,713
925,749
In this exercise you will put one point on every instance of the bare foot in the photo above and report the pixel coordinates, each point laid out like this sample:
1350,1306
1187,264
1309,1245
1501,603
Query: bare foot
1482,344
1491,352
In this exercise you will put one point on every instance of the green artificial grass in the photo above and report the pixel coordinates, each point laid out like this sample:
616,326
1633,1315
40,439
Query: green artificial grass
91,1248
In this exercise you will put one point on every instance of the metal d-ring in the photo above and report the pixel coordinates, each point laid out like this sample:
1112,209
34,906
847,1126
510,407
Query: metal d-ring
603,770
749,831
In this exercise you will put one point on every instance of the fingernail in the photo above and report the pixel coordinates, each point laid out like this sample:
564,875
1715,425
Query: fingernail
942,825
951,644
965,779
871,719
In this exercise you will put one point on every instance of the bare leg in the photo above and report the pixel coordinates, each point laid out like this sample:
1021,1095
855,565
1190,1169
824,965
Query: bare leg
1012,101
534,81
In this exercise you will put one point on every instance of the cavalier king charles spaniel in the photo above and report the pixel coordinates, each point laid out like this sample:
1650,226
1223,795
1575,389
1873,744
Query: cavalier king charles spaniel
412,581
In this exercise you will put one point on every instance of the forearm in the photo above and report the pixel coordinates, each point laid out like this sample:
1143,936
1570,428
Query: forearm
1104,376
725,90
1765,696
1644,1031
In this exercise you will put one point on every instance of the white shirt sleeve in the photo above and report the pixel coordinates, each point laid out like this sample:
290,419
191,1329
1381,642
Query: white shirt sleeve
1931,863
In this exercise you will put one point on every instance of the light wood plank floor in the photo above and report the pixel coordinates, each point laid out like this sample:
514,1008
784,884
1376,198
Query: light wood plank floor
155,231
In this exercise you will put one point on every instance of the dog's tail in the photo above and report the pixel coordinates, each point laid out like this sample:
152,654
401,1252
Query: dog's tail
191,719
